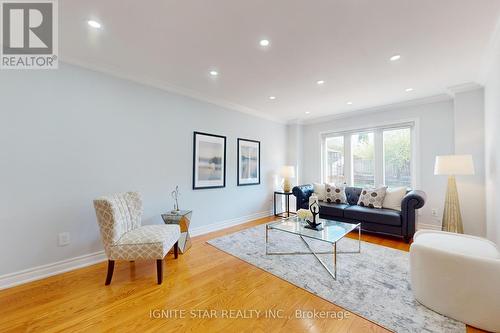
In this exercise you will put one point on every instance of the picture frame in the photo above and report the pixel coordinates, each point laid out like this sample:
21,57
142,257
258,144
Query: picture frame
248,165
209,161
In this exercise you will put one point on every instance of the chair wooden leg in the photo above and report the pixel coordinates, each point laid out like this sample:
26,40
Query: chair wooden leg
111,267
176,249
159,270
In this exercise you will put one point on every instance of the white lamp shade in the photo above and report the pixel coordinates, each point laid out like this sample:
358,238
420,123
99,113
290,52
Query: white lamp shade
288,171
454,165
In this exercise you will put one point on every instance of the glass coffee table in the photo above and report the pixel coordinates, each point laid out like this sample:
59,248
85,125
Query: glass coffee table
332,232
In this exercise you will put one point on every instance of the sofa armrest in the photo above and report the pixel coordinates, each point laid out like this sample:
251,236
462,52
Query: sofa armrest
414,199
411,201
302,193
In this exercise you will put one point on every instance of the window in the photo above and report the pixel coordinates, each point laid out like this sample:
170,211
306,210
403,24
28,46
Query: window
397,157
370,157
334,159
363,159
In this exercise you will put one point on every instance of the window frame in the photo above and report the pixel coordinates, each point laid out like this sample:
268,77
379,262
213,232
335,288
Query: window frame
378,132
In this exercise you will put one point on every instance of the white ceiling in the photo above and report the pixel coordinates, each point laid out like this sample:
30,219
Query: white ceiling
174,44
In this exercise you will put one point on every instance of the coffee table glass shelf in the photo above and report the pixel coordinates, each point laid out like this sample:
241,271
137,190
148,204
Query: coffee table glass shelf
332,232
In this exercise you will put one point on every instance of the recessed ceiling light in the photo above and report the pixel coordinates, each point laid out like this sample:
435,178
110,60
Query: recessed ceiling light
214,73
408,89
272,97
395,57
349,103
307,112
264,42
94,24
320,82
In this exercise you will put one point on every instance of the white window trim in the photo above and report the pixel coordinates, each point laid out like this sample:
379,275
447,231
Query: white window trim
413,123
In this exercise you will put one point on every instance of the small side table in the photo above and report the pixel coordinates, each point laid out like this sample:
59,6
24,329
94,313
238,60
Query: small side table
183,219
287,211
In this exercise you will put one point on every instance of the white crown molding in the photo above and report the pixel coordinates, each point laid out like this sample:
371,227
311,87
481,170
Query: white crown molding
171,89
464,87
387,107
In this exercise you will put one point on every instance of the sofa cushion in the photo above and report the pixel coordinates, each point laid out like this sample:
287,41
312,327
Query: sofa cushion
372,197
335,194
373,215
146,242
352,194
332,209
393,198
320,191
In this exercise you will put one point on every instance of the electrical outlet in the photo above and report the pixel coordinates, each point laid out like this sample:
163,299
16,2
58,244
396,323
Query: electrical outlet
63,239
434,212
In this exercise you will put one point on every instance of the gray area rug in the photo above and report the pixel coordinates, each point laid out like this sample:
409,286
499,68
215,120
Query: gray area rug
374,284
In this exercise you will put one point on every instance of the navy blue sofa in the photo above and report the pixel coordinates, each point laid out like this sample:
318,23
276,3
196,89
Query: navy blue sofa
379,220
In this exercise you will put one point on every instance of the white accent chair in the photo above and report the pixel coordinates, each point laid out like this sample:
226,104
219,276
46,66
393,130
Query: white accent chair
119,217
457,276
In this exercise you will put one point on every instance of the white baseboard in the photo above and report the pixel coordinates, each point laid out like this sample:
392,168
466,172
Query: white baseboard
428,226
43,271
205,229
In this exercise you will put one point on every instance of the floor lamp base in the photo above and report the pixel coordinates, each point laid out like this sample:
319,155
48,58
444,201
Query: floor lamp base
452,218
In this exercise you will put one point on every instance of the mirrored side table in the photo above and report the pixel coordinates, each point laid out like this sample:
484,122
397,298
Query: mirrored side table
183,219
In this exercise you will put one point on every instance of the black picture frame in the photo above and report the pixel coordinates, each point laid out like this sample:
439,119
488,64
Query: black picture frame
196,182
238,176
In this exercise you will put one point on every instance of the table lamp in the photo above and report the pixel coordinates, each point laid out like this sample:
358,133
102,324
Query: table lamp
287,172
451,166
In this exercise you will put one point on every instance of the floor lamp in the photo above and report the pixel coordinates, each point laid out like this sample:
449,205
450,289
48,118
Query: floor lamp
451,166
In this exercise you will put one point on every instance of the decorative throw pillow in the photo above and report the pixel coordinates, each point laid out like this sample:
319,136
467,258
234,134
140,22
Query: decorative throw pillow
393,198
320,191
372,197
335,194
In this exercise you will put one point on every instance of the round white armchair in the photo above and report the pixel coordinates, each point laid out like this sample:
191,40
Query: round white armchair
458,276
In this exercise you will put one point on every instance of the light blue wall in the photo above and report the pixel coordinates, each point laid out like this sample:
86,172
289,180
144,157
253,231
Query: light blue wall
70,135
492,150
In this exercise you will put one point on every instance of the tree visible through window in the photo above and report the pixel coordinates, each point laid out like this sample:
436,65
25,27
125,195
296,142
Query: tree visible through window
363,159
371,157
397,157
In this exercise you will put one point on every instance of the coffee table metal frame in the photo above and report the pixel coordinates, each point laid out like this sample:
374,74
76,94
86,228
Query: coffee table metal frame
269,226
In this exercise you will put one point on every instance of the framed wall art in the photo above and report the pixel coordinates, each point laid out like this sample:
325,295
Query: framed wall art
248,162
209,161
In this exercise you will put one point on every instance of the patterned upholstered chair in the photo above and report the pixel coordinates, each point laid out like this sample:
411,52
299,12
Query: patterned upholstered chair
119,218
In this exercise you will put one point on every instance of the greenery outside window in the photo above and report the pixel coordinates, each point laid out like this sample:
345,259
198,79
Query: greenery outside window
370,157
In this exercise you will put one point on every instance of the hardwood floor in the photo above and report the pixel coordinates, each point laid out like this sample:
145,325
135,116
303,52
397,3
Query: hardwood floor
203,278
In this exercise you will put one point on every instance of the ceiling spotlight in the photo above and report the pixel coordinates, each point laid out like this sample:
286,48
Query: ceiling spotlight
264,42
307,112
349,103
272,97
214,73
94,24
320,82
395,57
408,89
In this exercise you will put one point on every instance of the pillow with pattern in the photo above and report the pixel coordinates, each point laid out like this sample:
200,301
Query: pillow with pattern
335,194
372,197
